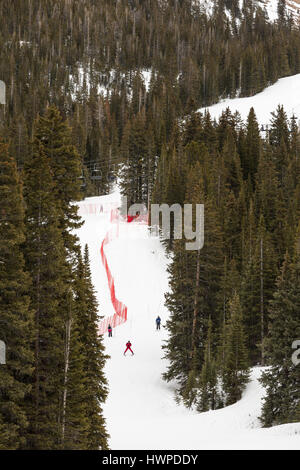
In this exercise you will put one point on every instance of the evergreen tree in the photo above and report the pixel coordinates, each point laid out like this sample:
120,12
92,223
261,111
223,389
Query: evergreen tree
199,273
281,11
94,358
208,396
139,162
267,198
15,314
159,190
235,374
74,402
282,379
230,283
252,145
46,262
54,135
180,304
280,142
256,291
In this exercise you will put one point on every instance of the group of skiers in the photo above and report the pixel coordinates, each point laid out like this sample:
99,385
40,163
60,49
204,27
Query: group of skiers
128,344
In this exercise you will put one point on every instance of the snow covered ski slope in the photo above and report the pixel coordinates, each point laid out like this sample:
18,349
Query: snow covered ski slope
285,92
140,411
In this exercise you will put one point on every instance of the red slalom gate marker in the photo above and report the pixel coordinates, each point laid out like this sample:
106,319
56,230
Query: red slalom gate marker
120,315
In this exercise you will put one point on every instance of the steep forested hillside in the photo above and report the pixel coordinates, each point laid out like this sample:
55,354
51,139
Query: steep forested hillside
49,48
231,301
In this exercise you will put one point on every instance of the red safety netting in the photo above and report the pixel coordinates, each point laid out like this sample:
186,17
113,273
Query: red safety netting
120,315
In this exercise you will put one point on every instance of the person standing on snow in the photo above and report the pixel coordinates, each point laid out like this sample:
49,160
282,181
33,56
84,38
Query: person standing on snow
128,346
158,320
130,218
109,329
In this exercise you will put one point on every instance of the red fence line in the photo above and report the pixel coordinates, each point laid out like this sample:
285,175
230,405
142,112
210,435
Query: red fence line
120,315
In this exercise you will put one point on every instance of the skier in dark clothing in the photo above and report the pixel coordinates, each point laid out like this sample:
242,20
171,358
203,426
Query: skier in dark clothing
109,329
158,320
128,346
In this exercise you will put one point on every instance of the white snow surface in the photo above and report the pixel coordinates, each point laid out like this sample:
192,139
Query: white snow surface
285,92
292,7
140,410
146,74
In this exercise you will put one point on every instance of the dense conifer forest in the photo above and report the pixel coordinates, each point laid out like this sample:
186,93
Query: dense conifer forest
49,48
79,114
228,307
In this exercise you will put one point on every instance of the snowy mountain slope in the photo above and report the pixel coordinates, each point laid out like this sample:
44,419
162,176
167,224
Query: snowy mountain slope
88,76
141,412
292,6
104,82
285,91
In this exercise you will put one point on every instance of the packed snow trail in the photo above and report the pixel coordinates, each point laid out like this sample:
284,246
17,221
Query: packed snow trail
140,410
